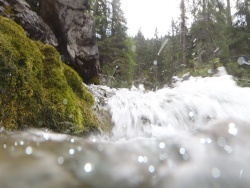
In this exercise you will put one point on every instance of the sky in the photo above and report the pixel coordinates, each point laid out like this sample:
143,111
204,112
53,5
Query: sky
149,14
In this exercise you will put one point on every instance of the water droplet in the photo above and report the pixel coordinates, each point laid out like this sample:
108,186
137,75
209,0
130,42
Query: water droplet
191,114
151,169
163,156
171,164
202,140
100,148
221,141
21,143
162,145
182,151
79,148
12,148
216,172
142,159
71,151
88,167
65,101
209,140
46,136
233,130
228,149
28,150
72,140
60,160
133,48
241,172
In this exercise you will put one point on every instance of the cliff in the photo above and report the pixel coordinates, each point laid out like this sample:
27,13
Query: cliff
63,24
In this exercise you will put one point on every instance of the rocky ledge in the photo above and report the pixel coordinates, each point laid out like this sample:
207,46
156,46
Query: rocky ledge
63,24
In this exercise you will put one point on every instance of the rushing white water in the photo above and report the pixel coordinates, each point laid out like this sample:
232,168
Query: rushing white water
196,134
187,106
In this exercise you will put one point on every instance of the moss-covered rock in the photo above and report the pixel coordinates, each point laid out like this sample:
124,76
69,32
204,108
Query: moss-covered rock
37,89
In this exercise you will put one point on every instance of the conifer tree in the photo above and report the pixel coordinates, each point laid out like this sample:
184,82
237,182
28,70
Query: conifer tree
116,56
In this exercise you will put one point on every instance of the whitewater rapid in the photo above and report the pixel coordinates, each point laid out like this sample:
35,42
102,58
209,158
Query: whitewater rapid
195,134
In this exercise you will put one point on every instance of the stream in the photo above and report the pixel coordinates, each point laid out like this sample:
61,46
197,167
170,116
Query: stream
195,134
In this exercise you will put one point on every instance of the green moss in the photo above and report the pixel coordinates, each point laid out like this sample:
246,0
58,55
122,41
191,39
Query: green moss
37,89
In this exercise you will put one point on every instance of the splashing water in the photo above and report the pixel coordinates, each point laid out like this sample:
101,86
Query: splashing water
193,135
162,46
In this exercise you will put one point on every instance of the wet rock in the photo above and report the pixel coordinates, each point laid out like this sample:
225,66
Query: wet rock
75,32
32,23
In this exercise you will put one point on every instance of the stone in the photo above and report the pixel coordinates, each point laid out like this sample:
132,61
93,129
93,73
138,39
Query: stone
32,23
75,31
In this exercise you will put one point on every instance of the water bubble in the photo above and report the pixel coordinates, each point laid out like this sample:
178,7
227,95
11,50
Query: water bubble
216,172
21,143
221,141
60,160
233,130
4,146
28,150
151,169
71,151
94,140
15,144
162,145
65,101
88,167
72,140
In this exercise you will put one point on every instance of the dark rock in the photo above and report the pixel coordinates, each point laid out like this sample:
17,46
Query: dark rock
22,14
75,32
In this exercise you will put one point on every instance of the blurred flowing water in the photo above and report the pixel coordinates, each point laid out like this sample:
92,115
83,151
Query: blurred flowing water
196,134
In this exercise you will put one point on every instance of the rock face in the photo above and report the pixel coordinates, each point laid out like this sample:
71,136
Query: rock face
22,14
75,32
61,23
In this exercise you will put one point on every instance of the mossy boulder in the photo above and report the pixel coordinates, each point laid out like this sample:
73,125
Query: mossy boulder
37,89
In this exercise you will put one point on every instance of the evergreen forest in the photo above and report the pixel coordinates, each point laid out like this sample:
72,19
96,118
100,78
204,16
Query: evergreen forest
208,34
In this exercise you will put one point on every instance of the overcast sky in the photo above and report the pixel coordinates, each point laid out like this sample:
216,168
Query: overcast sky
149,14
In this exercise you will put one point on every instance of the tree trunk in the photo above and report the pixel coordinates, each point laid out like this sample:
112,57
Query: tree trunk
229,15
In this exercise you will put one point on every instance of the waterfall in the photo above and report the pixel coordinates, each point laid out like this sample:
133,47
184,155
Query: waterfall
195,134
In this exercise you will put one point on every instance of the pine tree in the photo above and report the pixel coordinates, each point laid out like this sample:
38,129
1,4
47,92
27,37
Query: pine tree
183,32
116,56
